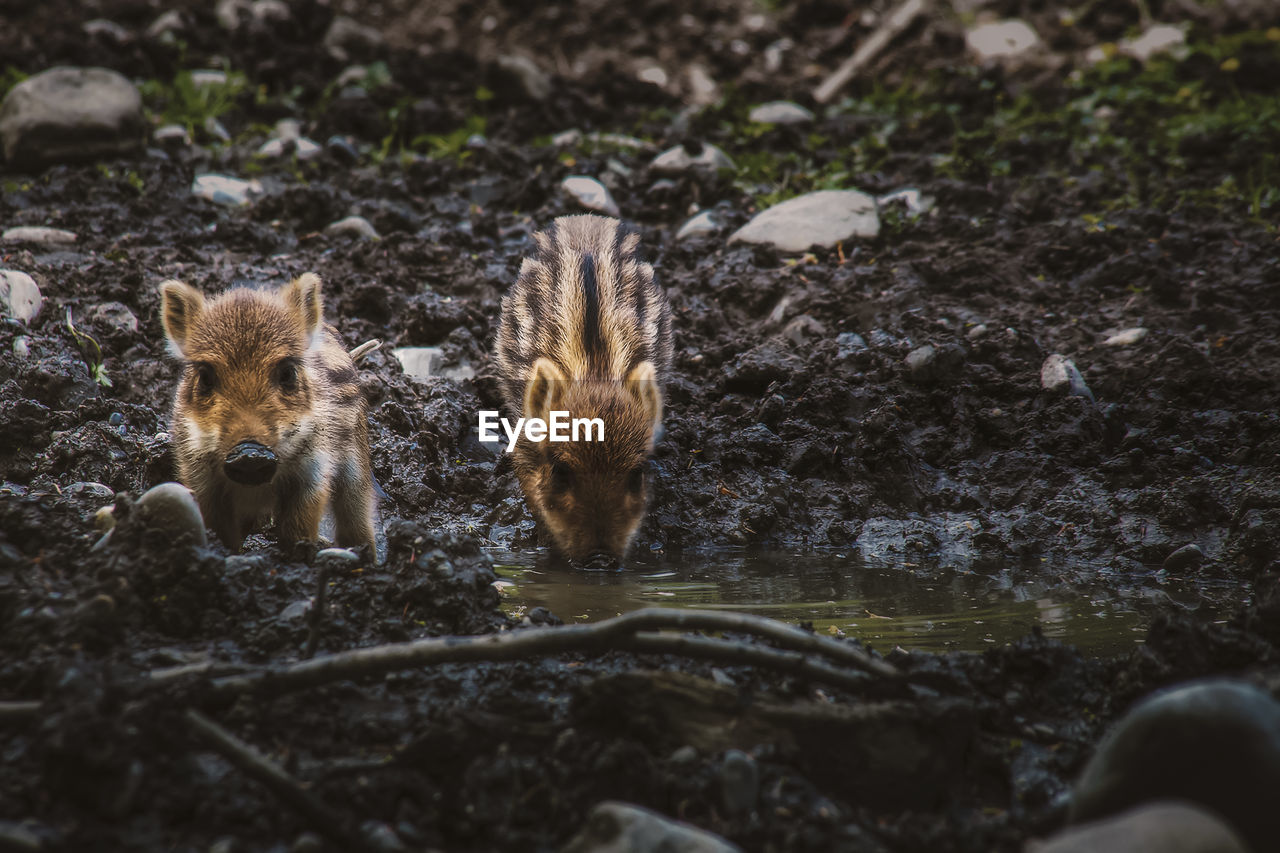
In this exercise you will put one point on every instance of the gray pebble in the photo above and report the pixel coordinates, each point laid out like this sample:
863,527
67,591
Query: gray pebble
1187,558
780,112
739,781
172,506
355,226
19,296
591,194
38,235
1060,374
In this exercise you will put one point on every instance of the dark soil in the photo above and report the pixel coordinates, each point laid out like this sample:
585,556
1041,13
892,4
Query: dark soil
780,432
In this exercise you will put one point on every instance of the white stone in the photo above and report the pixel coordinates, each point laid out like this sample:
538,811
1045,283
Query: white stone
616,827
173,507
653,74
356,226
419,362
678,160
172,134
114,314
916,202
822,218
698,225
780,112
591,194
533,80
301,147
207,77
1159,38
167,24
703,90
67,114
224,189
19,296
1153,827
1001,39
1059,373
1126,337
37,234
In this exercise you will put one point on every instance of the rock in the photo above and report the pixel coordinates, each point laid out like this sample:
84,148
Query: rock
71,114
203,77
1059,373
915,201
700,87
533,81
654,74
698,225
1126,338
107,30
780,112
1162,827
337,558
591,194
113,315
37,234
19,296
167,25
346,37
87,491
228,13
931,364
1187,558
849,343
295,611
1001,39
1159,38
691,157
22,346
822,218
567,138
614,827
356,226
739,782
301,147
172,507
1214,743
343,150
171,136
216,130
224,189
419,362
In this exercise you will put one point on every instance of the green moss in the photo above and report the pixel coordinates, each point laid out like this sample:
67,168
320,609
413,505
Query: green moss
9,78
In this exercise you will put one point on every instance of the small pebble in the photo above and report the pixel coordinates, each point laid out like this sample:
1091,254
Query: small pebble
1059,373
823,218
1187,558
698,225
1126,338
691,157
224,189
739,782
1001,39
355,226
37,234
19,296
173,507
171,136
780,112
116,419
591,194
342,150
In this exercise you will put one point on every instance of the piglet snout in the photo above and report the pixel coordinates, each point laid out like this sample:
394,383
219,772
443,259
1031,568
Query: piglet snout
250,464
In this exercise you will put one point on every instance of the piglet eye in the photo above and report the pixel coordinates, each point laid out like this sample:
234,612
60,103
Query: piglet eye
635,480
287,375
206,379
561,477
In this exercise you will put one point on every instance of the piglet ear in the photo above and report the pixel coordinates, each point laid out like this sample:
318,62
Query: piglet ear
302,295
642,383
544,389
180,308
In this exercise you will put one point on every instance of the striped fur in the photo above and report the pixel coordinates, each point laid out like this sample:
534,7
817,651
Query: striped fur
263,366
586,329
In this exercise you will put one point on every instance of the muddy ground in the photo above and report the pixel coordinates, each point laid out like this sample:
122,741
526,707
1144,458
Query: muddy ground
783,430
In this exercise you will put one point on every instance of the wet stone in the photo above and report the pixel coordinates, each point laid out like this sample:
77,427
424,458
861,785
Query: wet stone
739,782
172,507
1001,39
71,114
691,157
700,224
353,226
615,827
38,235
591,194
1187,558
224,189
295,611
1059,374
1126,338
19,296
112,316
931,364
849,343
1215,743
780,112
822,219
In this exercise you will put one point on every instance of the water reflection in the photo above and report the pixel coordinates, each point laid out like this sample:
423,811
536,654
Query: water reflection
917,607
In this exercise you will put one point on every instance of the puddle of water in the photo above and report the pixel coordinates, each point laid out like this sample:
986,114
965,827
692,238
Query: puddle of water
884,605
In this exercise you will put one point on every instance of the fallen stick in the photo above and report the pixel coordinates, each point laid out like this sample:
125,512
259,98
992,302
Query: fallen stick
13,712
604,636
273,778
897,21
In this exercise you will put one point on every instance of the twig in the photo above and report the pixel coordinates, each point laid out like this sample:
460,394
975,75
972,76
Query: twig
899,19
317,612
601,636
16,712
795,663
274,778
